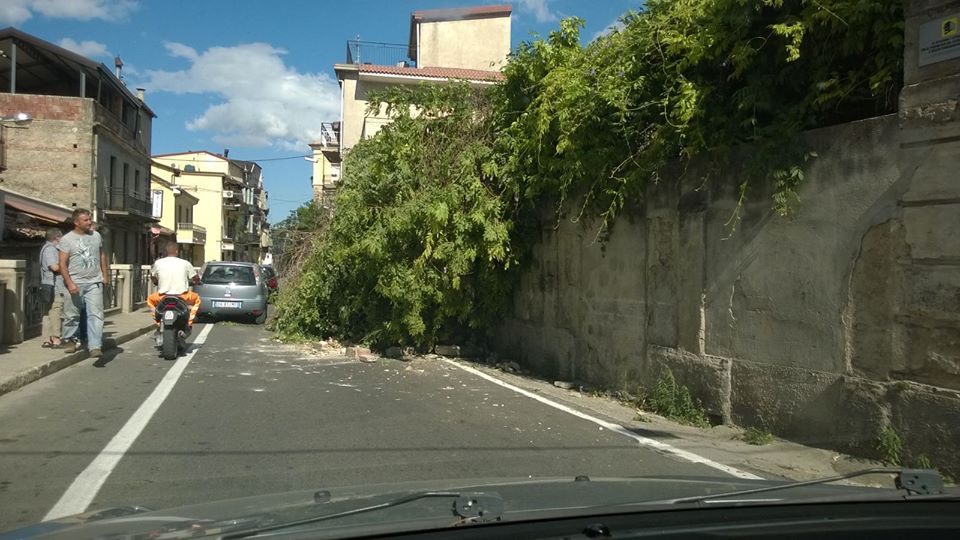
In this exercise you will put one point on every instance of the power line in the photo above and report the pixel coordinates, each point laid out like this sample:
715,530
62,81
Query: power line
196,160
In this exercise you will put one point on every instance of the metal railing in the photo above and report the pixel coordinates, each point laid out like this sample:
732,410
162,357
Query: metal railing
141,283
113,292
33,307
120,200
379,54
190,227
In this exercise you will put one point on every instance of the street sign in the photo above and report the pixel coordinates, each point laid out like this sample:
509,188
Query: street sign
939,39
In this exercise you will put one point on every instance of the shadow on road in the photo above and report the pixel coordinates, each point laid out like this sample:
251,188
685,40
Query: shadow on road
110,353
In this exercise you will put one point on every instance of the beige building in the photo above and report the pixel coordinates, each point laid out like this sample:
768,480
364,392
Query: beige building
231,207
470,44
174,206
87,146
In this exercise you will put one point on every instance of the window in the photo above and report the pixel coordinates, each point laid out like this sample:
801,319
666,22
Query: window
136,181
113,173
225,273
126,177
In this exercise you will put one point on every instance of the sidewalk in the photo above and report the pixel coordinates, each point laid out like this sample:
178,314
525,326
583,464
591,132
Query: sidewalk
23,363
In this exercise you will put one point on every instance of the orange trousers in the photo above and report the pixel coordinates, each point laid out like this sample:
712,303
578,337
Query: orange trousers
191,298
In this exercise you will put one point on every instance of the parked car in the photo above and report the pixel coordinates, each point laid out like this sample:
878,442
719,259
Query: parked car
270,277
232,289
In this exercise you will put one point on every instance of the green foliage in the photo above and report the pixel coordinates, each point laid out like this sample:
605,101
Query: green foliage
923,462
757,436
890,446
436,212
419,248
686,78
675,402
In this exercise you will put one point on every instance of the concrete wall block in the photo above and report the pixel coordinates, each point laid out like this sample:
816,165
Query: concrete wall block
931,353
662,271
708,378
932,291
816,408
934,178
928,422
928,233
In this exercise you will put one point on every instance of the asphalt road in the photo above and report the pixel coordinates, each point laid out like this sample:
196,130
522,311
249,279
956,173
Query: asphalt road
251,416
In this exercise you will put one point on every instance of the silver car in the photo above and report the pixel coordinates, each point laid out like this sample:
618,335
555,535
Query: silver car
232,289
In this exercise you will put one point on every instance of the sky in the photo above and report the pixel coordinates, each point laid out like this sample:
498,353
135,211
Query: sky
254,76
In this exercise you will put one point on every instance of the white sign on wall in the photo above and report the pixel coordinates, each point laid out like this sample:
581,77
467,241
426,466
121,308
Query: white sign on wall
939,39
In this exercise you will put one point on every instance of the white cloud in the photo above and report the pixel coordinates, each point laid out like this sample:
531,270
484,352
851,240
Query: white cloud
610,28
264,101
18,11
540,9
88,48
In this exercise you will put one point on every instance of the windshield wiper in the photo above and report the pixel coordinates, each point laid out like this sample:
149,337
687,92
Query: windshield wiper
912,481
469,507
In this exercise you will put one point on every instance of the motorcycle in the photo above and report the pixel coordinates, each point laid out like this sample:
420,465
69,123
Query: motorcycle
172,315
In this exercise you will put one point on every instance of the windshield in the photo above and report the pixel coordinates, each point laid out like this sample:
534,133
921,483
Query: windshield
673,248
221,274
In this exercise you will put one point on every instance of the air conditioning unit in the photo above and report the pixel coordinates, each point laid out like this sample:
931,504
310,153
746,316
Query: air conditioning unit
227,194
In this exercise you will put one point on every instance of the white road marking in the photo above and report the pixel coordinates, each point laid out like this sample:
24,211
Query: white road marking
86,486
659,446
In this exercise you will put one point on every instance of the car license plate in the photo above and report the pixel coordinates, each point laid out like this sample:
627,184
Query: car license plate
234,305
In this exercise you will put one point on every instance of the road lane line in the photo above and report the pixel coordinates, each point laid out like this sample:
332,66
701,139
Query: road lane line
86,486
659,446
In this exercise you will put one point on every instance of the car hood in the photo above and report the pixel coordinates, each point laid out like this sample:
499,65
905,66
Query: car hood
519,499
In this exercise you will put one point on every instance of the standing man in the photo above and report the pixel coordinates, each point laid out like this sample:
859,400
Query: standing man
85,274
51,289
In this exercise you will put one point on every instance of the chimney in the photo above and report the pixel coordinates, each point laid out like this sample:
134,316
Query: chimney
140,93
118,63
226,152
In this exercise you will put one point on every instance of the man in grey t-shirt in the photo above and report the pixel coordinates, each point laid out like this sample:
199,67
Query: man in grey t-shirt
83,265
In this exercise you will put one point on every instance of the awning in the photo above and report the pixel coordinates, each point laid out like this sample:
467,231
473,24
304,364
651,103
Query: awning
50,213
159,230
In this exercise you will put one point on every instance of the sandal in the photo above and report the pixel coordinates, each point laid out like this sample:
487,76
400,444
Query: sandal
51,345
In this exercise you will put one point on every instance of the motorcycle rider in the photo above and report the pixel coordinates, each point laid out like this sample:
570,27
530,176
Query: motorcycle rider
173,276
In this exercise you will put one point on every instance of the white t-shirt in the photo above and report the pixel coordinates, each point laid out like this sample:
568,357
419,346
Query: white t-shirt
173,275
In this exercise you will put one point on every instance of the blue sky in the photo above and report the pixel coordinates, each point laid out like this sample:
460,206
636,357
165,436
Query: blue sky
253,76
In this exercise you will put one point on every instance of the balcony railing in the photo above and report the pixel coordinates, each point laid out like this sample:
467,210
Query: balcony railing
378,54
123,201
190,233
190,227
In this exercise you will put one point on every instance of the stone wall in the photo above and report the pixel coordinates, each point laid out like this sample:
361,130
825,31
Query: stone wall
829,327
50,158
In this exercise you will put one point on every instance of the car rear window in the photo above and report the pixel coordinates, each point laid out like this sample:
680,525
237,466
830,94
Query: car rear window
238,275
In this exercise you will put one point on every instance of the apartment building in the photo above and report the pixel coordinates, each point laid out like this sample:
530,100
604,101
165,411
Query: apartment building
232,203
470,44
174,206
87,143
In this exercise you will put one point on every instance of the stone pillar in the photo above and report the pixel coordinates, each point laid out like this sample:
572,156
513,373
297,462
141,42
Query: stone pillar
125,287
928,310
3,292
13,272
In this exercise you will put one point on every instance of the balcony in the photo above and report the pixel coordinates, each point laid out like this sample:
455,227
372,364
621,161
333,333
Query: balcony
189,233
120,201
379,54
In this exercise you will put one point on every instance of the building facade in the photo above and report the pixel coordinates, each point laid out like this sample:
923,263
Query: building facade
174,206
87,146
470,44
232,203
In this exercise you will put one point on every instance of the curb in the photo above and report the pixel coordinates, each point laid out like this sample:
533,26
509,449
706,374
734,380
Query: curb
23,378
